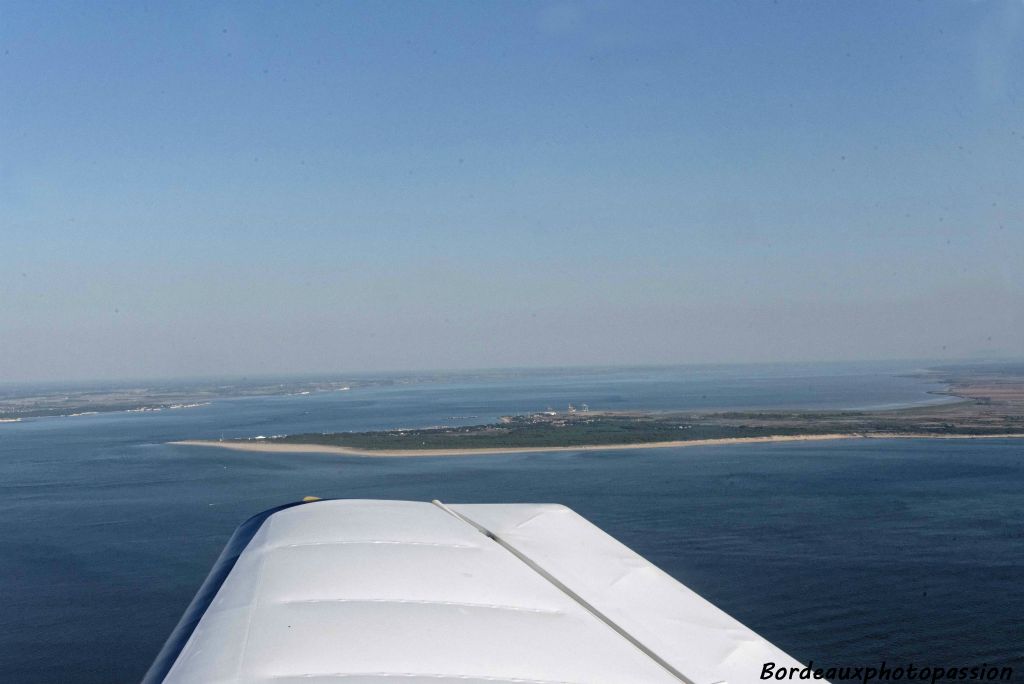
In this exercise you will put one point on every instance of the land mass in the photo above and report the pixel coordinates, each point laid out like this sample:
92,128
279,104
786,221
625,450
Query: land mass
24,402
20,403
986,402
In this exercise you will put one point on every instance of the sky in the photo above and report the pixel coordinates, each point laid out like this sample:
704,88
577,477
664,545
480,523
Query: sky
208,188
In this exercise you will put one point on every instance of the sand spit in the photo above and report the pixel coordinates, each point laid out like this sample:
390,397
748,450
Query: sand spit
409,453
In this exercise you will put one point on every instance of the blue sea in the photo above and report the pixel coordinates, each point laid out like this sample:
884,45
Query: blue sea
844,553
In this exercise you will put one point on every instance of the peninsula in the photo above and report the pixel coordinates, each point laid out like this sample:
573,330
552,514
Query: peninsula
987,403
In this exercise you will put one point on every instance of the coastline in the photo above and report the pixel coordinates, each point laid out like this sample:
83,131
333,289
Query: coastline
412,453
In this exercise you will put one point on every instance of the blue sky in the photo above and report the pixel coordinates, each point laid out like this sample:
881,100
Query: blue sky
222,188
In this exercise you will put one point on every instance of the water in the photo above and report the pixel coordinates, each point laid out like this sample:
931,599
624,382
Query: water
844,552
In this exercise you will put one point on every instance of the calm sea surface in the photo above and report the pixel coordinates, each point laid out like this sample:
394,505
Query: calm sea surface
847,553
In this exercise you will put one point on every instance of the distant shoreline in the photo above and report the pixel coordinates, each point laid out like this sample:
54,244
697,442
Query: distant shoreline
989,406
411,453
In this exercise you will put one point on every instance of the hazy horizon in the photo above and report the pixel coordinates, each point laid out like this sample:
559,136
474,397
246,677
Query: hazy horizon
377,373
276,189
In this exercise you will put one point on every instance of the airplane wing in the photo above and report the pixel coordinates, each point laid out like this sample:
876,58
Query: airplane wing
366,592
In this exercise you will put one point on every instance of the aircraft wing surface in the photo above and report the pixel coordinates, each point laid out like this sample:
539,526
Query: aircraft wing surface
367,592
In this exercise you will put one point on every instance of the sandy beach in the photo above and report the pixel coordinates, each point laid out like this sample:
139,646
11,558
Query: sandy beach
409,453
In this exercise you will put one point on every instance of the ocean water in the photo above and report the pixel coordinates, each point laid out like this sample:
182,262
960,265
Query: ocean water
847,553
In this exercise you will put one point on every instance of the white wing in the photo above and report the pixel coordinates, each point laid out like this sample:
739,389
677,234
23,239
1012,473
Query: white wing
359,591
